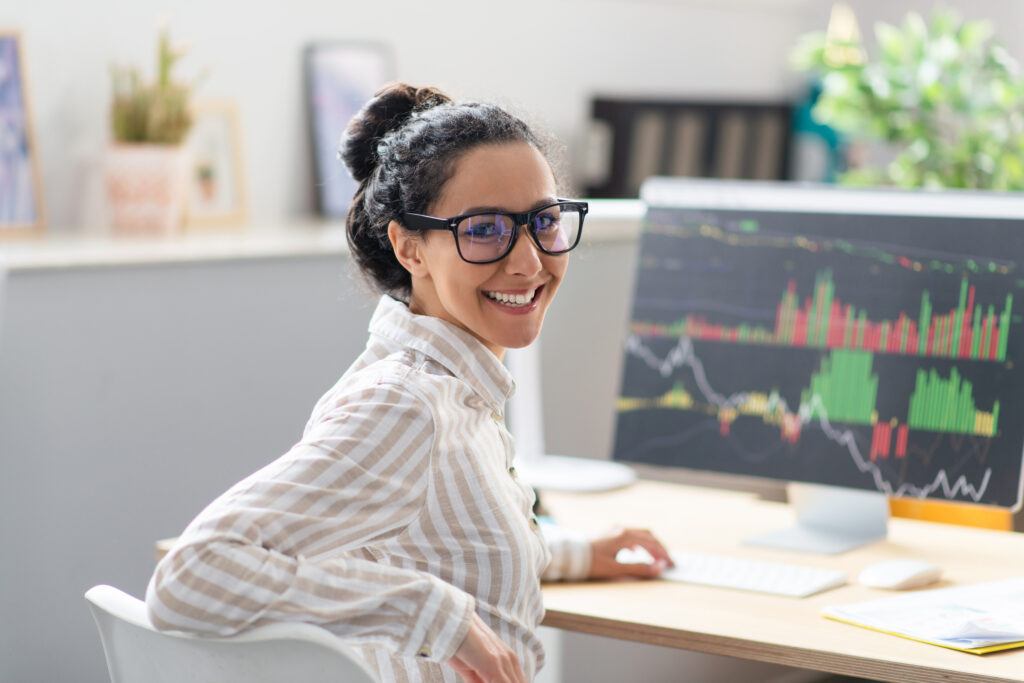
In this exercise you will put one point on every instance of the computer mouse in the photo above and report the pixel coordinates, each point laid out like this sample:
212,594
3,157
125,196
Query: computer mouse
637,555
899,575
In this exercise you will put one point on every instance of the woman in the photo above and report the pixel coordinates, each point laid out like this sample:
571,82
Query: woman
397,521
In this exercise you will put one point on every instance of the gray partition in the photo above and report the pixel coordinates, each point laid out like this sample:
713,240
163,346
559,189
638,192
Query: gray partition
130,396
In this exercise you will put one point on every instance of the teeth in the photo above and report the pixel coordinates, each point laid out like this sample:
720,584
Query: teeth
513,299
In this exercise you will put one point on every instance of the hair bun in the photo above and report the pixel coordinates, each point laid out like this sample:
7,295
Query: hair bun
389,109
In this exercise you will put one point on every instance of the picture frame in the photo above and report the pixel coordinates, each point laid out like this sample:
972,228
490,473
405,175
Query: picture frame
216,189
22,211
339,79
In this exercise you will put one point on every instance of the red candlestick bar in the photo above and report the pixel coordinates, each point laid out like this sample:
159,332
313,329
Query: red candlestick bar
901,441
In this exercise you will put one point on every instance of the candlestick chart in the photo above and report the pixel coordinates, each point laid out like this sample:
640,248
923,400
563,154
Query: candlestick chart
880,354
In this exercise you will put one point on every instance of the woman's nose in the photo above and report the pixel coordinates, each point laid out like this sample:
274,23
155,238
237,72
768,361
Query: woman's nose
524,258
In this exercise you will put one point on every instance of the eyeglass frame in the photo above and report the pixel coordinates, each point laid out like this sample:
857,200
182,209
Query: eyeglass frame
419,221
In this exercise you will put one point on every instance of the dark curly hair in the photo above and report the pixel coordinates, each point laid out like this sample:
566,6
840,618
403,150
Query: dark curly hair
401,148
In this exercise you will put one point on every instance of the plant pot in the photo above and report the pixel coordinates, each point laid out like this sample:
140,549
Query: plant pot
146,188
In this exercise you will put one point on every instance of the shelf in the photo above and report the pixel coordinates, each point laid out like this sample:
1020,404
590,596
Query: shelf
610,220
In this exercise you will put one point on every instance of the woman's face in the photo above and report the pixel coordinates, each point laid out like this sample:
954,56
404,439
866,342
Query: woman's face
512,177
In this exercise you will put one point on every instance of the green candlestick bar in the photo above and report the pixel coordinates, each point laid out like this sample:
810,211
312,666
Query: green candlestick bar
845,386
947,405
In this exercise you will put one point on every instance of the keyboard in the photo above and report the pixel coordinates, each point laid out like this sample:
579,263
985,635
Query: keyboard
759,576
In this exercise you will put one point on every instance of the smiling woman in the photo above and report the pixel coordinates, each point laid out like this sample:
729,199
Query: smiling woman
502,302
398,521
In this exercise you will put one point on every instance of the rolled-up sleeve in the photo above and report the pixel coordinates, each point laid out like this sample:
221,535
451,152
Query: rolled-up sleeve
570,554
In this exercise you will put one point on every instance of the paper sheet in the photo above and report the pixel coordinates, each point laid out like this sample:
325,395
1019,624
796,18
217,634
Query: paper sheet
977,618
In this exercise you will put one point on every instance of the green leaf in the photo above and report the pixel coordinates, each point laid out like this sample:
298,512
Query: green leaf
928,73
945,50
891,42
915,32
876,81
1001,57
945,22
808,53
973,34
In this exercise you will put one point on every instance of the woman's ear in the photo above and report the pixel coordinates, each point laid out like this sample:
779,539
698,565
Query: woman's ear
407,248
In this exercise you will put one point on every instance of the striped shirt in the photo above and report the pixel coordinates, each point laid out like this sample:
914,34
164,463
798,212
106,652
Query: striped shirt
395,517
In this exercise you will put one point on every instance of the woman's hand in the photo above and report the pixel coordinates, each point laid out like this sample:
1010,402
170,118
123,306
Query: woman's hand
483,657
604,549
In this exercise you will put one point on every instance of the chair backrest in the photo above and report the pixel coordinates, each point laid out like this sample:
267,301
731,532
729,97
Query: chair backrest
274,653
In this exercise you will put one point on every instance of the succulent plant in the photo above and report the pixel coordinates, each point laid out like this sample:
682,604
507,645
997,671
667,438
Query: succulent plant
156,112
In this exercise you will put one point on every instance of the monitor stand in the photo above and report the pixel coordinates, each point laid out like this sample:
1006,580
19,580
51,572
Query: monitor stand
550,472
830,520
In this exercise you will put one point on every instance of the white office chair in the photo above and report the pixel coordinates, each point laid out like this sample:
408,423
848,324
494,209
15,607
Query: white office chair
274,653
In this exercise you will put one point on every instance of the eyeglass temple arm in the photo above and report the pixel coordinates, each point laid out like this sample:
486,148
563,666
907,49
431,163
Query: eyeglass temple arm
416,221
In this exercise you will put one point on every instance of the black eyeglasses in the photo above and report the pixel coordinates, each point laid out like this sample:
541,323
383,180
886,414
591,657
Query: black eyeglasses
488,236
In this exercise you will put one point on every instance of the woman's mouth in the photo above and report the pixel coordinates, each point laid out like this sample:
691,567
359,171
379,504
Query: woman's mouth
514,299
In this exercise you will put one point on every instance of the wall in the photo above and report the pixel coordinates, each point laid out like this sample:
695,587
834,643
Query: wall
544,56
129,398
547,57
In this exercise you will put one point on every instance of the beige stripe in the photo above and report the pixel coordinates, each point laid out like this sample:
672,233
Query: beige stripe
385,516
368,439
393,494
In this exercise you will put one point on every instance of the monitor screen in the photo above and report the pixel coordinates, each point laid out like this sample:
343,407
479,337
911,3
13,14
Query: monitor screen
868,339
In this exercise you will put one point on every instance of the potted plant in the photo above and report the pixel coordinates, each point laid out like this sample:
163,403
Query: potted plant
147,163
941,95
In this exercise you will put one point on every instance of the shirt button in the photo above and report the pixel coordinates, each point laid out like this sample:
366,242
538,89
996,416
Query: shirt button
424,652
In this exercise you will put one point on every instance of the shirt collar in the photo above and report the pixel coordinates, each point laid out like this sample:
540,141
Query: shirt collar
458,351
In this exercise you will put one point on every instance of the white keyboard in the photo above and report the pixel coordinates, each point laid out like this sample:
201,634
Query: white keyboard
759,576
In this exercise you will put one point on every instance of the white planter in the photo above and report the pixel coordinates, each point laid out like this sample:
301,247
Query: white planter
146,188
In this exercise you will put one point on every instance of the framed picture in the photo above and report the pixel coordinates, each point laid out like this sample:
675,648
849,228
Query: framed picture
21,193
216,185
340,78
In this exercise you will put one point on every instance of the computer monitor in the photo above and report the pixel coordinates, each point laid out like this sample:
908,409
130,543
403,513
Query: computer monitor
869,340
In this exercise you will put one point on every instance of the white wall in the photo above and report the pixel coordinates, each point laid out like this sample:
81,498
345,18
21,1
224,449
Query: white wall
546,57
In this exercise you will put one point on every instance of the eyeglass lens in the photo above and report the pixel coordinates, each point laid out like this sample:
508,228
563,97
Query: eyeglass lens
486,237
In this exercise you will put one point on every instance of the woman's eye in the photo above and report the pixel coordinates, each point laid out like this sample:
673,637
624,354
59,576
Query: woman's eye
481,230
546,221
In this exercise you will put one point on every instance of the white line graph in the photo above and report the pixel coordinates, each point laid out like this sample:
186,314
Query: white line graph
684,355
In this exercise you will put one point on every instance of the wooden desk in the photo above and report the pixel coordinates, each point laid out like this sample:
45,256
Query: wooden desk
766,628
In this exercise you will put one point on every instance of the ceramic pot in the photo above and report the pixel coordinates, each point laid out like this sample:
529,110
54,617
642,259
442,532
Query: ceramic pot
146,188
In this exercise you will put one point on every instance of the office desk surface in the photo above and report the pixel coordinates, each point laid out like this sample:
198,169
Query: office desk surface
767,628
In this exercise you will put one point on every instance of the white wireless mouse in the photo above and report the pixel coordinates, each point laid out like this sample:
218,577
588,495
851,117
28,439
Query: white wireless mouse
899,574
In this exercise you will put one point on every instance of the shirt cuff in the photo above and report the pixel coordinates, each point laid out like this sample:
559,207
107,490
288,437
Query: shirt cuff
442,624
570,554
